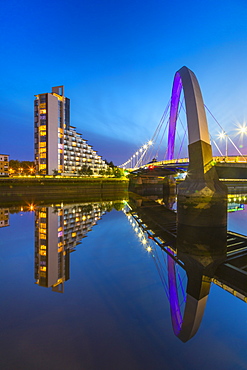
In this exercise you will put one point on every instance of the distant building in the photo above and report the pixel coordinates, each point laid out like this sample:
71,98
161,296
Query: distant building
57,145
4,165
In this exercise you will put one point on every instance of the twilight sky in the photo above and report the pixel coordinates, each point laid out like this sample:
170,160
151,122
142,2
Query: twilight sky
117,60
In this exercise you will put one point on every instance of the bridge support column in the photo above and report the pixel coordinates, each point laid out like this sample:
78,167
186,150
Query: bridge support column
202,198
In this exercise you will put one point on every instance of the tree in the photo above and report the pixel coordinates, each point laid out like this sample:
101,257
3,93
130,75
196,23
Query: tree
110,164
102,172
27,167
55,172
118,172
85,170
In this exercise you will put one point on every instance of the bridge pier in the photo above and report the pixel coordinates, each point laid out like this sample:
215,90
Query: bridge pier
202,198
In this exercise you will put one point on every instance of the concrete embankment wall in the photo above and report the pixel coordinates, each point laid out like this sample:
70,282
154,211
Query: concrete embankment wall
37,189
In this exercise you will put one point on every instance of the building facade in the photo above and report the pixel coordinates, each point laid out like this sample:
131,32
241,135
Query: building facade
4,165
57,145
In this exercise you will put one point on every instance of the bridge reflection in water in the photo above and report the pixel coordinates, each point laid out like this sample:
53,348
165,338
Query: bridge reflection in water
189,260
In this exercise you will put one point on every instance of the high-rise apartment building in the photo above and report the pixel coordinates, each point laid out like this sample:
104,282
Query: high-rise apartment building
58,147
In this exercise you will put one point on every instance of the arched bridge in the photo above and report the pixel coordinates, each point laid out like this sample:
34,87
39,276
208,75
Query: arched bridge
200,159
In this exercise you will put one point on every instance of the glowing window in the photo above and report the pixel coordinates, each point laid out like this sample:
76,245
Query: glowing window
73,235
42,268
43,144
43,246
42,111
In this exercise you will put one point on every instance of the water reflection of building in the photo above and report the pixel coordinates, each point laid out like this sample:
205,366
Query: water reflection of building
58,230
4,217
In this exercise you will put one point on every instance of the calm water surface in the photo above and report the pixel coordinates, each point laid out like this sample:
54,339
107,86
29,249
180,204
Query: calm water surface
105,305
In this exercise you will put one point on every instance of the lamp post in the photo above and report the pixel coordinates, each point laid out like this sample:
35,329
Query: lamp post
223,135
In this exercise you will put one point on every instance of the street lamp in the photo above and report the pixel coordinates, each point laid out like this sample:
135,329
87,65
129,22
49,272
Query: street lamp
223,135
242,130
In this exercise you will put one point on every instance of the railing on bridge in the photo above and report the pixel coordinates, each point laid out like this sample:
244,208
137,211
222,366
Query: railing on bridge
218,159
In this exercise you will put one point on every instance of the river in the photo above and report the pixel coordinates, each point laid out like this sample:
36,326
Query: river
81,290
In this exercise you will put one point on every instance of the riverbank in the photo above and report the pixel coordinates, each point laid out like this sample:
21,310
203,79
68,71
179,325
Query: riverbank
61,189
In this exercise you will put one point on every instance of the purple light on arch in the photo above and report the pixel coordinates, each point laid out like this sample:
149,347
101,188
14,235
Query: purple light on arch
176,92
176,316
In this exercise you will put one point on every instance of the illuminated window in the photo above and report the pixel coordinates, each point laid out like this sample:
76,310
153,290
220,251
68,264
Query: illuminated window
42,226
42,166
42,111
43,246
73,235
42,236
42,253
42,268
42,144
42,133
43,155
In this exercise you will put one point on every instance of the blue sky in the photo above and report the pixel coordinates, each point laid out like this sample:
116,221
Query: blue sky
117,60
